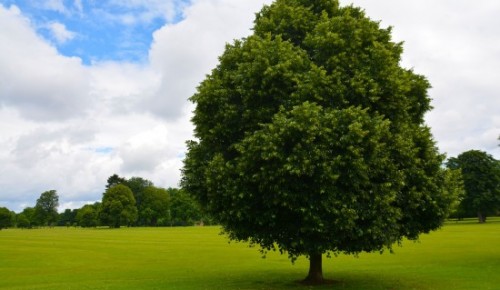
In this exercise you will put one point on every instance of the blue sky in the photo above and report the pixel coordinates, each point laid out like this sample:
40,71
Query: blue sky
90,88
100,30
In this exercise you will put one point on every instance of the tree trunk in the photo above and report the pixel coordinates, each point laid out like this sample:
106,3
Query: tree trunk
315,276
481,218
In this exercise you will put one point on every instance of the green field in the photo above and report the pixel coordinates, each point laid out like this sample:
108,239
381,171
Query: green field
459,256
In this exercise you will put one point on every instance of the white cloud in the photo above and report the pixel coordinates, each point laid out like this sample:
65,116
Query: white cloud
60,33
146,151
36,80
185,52
121,87
43,160
54,5
78,5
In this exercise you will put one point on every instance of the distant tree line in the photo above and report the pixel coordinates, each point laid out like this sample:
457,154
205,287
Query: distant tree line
480,177
125,202
44,213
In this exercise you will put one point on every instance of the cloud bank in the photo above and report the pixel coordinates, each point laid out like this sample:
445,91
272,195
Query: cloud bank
69,126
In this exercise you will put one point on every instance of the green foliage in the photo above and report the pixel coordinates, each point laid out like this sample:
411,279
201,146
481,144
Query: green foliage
158,206
454,190
481,178
46,208
26,219
67,217
88,215
138,185
311,136
118,207
22,221
115,179
6,218
293,193
154,207
184,210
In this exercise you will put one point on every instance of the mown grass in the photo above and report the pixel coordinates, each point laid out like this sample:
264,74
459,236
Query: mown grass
462,255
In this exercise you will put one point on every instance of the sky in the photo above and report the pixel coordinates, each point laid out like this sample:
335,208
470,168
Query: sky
90,88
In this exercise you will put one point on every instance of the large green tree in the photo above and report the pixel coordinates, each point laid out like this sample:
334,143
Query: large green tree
118,207
6,218
481,177
46,208
26,218
154,206
137,184
311,137
88,215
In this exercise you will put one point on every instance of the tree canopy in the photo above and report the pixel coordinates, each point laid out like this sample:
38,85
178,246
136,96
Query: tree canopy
115,179
6,218
26,219
88,215
67,217
481,177
46,208
118,207
311,137
154,207
184,210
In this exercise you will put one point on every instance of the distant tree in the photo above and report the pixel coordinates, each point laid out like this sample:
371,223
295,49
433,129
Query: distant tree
456,192
67,217
118,207
310,137
115,180
26,219
6,220
138,185
46,208
88,215
154,207
481,177
13,216
184,210
22,221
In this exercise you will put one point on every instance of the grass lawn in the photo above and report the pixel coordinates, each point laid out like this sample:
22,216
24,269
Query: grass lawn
461,255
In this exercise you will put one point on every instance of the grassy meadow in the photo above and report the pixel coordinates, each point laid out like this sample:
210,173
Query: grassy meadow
463,255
